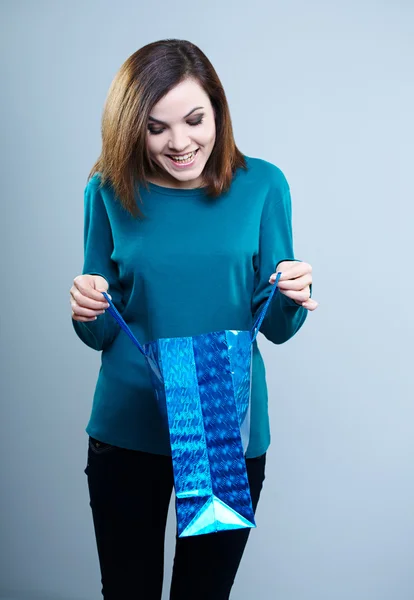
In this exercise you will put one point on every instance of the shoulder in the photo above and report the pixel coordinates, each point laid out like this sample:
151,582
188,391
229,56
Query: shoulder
267,173
269,183
97,195
94,182
98,190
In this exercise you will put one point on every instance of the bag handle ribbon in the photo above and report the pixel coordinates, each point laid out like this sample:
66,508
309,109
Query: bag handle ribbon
121,322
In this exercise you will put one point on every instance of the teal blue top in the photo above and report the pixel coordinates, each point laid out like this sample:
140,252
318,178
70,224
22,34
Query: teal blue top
193,265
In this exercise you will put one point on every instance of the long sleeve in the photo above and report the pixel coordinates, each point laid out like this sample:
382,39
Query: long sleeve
285,317
98,248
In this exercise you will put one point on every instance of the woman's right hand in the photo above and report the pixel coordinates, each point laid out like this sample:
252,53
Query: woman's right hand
86,297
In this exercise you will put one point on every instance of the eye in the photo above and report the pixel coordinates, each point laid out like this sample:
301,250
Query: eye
155,131
194,123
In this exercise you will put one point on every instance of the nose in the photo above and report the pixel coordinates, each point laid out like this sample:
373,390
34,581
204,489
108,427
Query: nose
179,140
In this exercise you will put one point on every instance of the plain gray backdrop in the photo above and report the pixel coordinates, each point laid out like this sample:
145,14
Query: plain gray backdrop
325,91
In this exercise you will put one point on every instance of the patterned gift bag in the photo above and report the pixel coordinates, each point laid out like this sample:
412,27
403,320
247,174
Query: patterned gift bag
202,384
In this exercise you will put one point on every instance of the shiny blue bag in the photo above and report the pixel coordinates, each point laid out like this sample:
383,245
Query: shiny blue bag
203,385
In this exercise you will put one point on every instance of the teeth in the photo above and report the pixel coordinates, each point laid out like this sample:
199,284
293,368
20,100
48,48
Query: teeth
184,158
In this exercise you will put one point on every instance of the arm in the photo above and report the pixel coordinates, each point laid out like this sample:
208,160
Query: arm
98,247
285,317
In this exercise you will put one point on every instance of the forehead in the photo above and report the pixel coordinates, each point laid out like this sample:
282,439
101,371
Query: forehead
180,100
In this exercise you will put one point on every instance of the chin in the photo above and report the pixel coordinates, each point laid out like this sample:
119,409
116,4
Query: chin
186,176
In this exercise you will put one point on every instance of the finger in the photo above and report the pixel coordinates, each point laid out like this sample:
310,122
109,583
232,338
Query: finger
88,291
85,312
83,319
294,270
310,304
300,297
296,284
86,301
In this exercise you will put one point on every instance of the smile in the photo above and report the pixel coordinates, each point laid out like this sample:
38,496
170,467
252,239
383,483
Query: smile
184,159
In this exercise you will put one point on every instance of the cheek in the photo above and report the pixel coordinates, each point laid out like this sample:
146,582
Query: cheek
208,136
154,144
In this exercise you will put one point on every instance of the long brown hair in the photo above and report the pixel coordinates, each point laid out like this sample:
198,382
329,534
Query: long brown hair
144,78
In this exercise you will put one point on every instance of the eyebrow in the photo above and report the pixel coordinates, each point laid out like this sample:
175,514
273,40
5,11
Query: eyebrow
186,116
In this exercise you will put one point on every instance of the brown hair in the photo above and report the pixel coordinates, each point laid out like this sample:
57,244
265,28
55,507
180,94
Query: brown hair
144,78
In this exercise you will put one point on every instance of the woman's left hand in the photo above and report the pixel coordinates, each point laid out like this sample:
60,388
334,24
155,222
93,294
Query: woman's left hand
295,282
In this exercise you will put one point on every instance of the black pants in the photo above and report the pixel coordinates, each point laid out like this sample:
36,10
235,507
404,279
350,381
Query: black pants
130,493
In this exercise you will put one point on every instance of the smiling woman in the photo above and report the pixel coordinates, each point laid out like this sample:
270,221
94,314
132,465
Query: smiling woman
165,102
181,145
186,233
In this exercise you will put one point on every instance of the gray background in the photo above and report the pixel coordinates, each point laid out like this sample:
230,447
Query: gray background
324,90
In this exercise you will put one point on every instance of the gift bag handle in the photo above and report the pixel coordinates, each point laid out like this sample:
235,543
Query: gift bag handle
256,327
119,319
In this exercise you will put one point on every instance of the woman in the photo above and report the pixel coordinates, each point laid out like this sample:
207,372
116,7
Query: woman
185,232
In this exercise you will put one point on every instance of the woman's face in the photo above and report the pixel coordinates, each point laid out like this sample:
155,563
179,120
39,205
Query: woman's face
181,135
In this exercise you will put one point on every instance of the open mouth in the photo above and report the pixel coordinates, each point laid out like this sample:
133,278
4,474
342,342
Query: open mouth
184,159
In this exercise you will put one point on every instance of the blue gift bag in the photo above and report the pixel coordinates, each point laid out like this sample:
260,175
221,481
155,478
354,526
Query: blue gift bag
202,385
